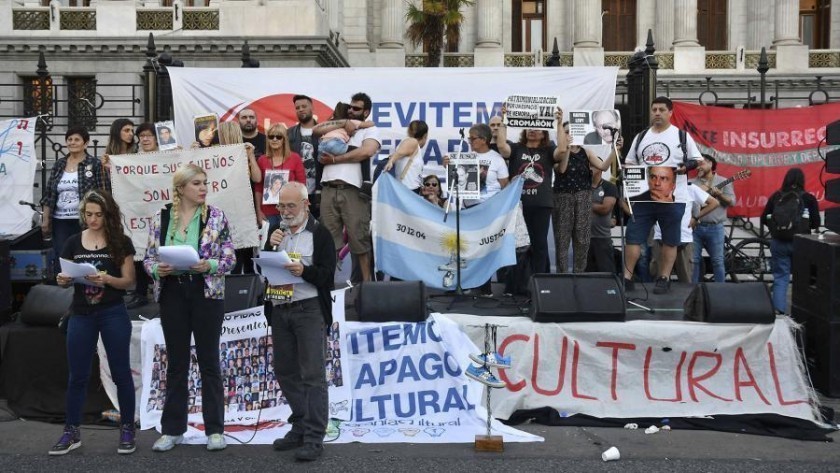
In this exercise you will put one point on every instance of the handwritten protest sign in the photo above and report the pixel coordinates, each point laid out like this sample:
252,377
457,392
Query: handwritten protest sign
17,171
142,185
531,111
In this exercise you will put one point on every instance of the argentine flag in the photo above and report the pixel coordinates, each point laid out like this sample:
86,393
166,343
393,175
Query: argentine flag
412,242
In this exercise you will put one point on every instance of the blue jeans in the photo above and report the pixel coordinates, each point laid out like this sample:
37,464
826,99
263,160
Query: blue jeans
83,332
781,257
710,237
333,146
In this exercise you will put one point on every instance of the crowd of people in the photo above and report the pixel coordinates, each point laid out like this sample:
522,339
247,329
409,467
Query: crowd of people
311,186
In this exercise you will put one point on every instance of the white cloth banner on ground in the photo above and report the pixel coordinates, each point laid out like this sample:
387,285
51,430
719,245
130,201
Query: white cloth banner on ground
408,387
412,242
648,368
252,393
446,98
17,172
142,185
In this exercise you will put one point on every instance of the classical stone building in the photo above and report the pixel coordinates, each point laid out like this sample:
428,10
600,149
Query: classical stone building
95,50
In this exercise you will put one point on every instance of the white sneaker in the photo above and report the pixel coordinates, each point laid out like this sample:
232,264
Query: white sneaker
167,442
216,442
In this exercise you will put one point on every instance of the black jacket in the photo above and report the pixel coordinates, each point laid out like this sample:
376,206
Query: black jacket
321,273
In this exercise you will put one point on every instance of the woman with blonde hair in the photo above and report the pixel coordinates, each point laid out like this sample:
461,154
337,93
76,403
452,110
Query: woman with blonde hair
191,303
278,157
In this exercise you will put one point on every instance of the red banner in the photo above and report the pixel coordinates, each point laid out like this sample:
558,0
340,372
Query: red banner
768,142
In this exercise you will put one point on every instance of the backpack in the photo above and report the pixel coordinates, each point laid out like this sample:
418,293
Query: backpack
786,219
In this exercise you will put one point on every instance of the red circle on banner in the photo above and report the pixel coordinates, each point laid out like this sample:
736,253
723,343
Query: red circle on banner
278,108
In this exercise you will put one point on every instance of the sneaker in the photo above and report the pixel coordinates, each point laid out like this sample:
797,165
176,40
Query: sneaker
167,442
137,302
484,376
662,286
310,451
493,360
216,442
70,440
629,285
291,441
127,444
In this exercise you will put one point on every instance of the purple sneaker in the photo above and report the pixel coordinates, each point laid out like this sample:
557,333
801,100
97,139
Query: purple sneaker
127,444
70,440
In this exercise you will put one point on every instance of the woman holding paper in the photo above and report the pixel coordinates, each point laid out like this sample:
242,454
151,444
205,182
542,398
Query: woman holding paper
191,302
98,309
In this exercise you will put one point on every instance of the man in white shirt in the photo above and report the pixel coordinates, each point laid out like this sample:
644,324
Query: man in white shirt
343,204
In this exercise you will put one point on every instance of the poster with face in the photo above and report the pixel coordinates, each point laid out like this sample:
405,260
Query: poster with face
165,132
274,180
463,172
206,130
651,183
598,127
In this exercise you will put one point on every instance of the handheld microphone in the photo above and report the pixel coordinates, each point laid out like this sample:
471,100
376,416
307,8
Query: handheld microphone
281,226
611,129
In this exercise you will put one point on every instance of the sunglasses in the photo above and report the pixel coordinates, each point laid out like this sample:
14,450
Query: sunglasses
276,137
430,184
356,109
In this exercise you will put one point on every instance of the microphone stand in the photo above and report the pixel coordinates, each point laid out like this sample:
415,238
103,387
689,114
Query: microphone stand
620,176
456,196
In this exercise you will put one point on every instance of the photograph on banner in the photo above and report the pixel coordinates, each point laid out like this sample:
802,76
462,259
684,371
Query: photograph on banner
166,135
534,112
18,165
594,127
463,170
206,129
651,183
274,180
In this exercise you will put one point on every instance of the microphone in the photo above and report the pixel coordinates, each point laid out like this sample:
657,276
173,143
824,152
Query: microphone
281,226
611,129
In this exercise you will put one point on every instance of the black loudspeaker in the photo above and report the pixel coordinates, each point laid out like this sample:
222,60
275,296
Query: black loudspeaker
582,297
45,305
243,291
727,303
5,280
832,133
816,275
392,301
822,350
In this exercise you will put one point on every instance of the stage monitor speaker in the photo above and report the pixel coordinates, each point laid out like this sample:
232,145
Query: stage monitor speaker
822,350
816,275
832,190
5,280
392,301
832,133
582,297
728,303
832,219
45,305
243,291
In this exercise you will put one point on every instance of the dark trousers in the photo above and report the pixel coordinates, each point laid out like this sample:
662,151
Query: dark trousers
184,311
142,287
62,229
244,263
537,220
601,256
298,333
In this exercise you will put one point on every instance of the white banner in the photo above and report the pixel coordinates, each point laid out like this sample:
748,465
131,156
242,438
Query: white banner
446,98
648,368
252,393
17,173
142,185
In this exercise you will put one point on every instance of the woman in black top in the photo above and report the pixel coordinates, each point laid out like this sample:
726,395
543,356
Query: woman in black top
572,218
98,309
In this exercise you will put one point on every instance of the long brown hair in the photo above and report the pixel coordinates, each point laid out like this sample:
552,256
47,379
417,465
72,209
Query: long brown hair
114,230
544,141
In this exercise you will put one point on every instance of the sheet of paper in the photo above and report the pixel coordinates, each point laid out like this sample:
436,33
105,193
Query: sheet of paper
78,271
181,257
271,266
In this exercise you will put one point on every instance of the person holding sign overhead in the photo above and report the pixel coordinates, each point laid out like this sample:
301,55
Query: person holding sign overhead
191,302
299,315
98,310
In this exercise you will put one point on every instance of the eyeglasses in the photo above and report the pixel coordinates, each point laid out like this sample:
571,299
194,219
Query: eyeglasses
356,109
276,137
290,207
430,184
473,138
146,136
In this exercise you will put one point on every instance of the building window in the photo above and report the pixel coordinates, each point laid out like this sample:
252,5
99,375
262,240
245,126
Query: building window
619,25
81,102
529,22
814,23
32,97
711,24
68,3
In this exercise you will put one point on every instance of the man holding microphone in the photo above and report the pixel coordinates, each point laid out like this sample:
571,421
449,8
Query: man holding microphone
299,315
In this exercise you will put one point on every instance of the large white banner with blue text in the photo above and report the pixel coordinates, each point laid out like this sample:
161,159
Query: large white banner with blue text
17,172
413,241
446,98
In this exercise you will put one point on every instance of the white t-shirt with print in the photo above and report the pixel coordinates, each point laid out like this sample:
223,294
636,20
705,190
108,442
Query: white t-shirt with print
67,205
493,168
351,173
696,196
663,149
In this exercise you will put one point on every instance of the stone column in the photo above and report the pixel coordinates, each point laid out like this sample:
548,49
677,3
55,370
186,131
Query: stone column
588,50
663,34
489,16
787,22
685,23
646,20
393,24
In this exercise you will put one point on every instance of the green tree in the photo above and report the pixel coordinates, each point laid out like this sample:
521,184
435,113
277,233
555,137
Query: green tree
429,24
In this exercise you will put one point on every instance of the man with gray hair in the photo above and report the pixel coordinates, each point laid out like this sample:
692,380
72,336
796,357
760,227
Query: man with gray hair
299,315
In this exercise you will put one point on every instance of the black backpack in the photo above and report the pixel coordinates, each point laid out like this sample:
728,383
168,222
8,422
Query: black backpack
786,219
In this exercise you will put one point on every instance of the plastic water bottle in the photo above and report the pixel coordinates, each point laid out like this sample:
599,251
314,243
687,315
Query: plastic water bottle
806,214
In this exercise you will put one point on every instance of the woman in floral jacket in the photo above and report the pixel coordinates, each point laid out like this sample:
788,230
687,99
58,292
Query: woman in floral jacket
191,303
